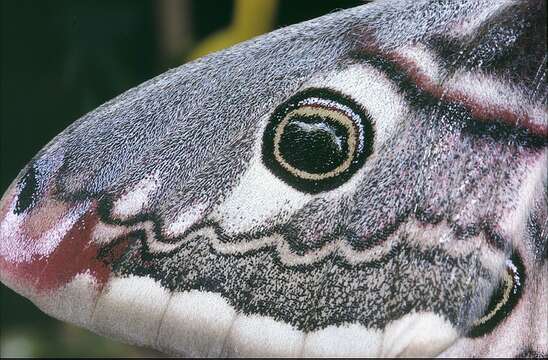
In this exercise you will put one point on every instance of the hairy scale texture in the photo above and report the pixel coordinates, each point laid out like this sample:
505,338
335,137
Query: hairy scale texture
161,200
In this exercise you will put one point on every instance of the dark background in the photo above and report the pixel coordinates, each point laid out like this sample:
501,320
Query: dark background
61,59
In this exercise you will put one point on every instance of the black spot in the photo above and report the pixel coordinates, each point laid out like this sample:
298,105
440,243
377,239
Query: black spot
28,193
314,144
517,273
316,151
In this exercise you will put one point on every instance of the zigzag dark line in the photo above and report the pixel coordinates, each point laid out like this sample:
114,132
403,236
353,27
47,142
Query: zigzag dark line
494,240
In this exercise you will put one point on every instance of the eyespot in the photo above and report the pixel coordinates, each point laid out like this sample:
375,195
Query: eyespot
503,300
317,140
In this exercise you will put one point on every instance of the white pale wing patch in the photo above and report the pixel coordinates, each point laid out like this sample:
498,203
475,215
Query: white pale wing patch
131,308
343,341
133,202
259,198
186,219
259,336
374,92
140,311
196,323
417,334
105,233
424,61
74,302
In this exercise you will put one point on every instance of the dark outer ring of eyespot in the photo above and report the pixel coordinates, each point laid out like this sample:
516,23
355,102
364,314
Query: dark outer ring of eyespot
492,319
315,184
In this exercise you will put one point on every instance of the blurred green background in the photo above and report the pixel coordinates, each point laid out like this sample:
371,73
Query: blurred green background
61,59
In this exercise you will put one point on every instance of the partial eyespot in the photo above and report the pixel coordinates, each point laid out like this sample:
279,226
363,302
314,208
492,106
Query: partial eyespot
503,300
317,140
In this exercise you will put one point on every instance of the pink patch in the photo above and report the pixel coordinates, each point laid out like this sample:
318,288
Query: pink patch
73,255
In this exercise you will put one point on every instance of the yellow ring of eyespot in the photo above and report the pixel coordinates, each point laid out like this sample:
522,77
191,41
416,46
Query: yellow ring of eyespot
508,286
324,113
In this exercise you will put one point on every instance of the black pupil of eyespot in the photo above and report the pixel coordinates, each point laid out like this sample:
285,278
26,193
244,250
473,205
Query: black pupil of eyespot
314,144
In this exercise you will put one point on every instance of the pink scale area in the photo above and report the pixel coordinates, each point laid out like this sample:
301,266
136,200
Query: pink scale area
71,254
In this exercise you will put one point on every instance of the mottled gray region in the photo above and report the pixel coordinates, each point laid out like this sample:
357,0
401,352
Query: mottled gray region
324,293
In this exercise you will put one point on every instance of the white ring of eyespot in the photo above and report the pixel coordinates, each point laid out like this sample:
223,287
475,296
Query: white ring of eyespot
323,112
